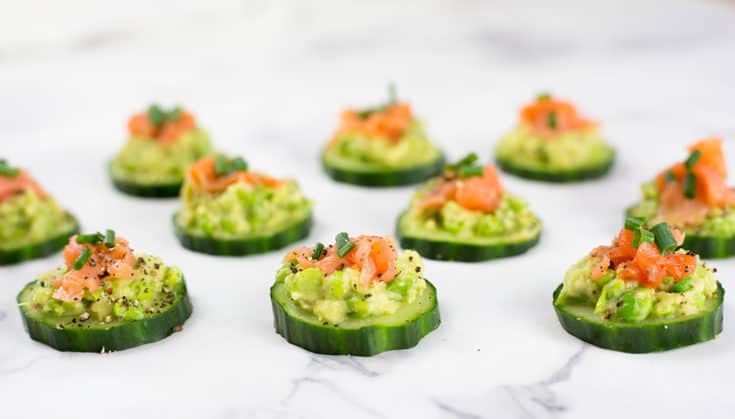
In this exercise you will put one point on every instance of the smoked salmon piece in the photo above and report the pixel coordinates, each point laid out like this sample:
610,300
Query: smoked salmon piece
203,176
548,117
10,186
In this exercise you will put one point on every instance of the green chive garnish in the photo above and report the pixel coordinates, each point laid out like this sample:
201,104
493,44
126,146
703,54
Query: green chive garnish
683,285
343,250
82,259
238,164
642,235
551,120
317,252
156,115
692,159
664,239
670,177
633,223
6,171
221,165
690,185
174,114
341,239
109,238
470,171
92,238
543,96
467,160
392,94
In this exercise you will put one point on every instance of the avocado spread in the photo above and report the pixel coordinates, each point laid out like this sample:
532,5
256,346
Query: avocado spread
151,290
148,161
341,295
28,218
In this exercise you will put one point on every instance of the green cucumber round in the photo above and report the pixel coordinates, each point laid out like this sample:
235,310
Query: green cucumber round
363,337
40,249
387,177
165,190
103,337
246,245
707,247
433,248
642,337
558,176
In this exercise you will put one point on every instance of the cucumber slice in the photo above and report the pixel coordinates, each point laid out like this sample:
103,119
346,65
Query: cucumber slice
707,247
166,190
363,337
646,336
245,245
558,176
91,336
387,177
455,250
39,249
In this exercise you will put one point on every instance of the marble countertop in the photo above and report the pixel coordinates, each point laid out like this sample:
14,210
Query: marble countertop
267,78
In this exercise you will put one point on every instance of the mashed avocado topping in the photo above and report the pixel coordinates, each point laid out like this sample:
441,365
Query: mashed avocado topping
102,282
633,284
552,136
149,291
28,215
468,204
354,278
384,137
235,202
161,145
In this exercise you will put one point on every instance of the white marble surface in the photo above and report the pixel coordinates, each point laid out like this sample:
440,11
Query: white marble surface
268,78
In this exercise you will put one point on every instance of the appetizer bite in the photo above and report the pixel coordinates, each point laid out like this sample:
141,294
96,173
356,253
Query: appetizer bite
162,144
228,209
32,224
381,146
693,196
554,143
105,298
357,296
466,215
641,294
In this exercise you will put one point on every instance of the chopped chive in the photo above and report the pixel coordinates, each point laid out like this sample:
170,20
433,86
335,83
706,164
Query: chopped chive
470,171
392,94
156,115
670,177
692,159
634,223
642,235
221,166
92,238
82,259
690,185
341,239
174,114
551,120
109,238
683,285
467,160
343,250
6,171
317,252
238,164
543,96
664,239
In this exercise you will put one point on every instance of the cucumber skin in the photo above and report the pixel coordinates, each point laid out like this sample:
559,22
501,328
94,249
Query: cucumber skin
243,247
38,250
119,337
400,177
644,339
576,175
166,190
462,252
706,247
365,341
